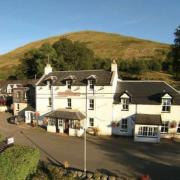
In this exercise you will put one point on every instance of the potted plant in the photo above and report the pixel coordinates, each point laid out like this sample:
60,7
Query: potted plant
173,124
95,131
113,124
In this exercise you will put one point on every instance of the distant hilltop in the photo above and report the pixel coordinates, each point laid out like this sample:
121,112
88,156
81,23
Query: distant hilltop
105,45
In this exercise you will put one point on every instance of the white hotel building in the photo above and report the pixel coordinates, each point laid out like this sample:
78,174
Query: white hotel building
68,101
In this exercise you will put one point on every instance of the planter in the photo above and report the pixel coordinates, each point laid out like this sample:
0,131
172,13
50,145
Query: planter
173,124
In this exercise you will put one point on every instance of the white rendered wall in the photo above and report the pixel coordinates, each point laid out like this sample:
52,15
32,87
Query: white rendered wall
103,100
174,115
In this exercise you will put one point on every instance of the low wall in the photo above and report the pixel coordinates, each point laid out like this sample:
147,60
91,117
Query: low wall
3,108
76,132
51,129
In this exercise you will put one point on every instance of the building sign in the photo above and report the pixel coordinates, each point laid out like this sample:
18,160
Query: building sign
10,140
69,93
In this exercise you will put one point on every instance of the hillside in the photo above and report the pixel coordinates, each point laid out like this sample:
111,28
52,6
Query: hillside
105,45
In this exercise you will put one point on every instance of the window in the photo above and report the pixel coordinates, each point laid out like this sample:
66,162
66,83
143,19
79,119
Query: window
18,107
91,84
178,128
72,124
60,122
124,124
148,131
91,122
166,105
51,122
68,103
125,104
18,94
91,104
145,131
50,102
165,127
68,84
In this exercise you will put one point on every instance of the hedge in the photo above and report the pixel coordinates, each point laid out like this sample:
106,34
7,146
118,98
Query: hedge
17,162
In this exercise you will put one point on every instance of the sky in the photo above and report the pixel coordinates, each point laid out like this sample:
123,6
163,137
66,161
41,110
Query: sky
24,21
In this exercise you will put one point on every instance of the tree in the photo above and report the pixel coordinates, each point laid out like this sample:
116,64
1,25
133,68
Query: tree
34,61
63,55
73,55
176,53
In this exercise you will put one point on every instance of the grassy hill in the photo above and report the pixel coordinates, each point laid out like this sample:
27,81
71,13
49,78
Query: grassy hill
103,44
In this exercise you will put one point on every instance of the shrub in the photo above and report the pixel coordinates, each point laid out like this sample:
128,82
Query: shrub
18,162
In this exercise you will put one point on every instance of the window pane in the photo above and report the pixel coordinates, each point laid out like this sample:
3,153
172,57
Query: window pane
91,122
165,126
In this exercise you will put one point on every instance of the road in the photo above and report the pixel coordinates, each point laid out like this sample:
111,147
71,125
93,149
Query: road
118,155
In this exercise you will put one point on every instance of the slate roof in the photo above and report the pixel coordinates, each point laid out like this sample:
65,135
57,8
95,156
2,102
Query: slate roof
4,83
66,114
146,92
148,119
103,77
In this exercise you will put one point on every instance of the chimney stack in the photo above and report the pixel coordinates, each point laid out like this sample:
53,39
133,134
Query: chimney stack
47,69
114,66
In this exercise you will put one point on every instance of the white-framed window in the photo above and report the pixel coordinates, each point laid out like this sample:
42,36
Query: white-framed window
18,107
69,103
91,122
91,104
51,122
166,105
91,84
178,128
60,122
124,124
125,104
72,124
148,131
68,84
165,127
49,101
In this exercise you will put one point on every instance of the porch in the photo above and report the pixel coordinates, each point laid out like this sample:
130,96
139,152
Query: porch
66,121
147,128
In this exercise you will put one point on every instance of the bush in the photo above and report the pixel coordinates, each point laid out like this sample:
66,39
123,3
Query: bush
17,162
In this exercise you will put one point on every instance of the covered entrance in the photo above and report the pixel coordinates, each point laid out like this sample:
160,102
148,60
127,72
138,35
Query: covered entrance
67,121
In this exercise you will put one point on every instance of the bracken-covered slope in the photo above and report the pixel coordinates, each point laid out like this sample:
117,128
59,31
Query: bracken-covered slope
106,45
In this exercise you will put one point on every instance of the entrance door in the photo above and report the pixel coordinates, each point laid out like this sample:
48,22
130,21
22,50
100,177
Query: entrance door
66,129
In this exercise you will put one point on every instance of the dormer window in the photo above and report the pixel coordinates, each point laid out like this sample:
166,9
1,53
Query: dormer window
166,105
125,104
125,99
68,84
91,84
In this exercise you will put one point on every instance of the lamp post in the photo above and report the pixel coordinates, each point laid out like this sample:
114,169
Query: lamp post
85,124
